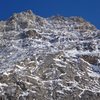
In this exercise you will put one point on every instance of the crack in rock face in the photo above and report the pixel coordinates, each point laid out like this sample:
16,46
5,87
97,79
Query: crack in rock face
55,58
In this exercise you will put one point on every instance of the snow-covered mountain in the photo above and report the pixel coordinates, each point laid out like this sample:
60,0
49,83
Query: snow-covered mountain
55,58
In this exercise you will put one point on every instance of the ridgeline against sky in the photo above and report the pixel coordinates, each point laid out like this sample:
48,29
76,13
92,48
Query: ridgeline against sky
88,9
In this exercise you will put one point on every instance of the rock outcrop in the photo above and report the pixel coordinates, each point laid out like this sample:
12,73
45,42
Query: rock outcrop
56,58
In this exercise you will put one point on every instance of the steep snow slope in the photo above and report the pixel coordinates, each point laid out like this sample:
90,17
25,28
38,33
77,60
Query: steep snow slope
54,58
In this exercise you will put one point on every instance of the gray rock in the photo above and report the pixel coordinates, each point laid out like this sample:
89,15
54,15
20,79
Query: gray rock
54,58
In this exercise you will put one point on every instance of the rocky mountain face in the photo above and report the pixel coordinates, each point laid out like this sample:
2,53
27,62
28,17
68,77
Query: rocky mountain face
55,58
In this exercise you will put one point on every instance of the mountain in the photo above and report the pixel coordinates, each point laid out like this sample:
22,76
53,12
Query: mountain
55,58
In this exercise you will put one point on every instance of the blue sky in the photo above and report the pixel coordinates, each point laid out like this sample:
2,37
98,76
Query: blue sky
88,9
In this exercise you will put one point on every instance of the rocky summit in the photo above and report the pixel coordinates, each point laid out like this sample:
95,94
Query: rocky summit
55,58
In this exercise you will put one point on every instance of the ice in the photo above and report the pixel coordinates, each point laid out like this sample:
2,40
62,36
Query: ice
25,94
59,91
96,68
93,74
20,67
3,85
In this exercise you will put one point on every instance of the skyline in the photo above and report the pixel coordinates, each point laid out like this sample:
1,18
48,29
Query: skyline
89,10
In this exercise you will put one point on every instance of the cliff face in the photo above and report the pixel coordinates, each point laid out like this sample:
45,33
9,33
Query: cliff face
54,58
